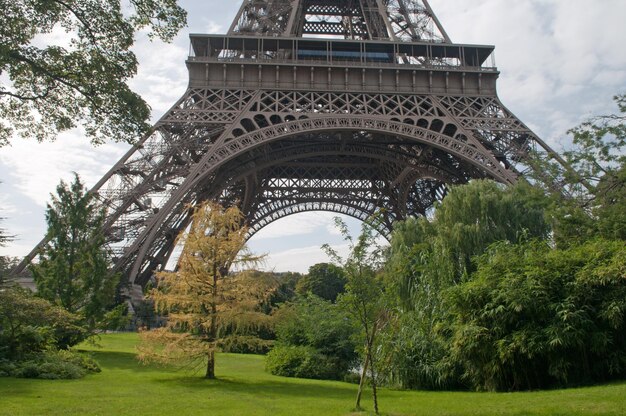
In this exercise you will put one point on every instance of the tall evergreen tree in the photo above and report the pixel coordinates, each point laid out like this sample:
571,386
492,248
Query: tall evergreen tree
73,266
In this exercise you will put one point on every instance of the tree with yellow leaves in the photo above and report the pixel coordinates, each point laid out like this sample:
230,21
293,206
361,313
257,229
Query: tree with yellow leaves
200,299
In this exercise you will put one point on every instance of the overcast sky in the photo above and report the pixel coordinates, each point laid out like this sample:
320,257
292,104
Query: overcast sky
561,61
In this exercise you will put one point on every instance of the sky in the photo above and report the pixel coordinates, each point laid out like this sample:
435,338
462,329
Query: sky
561,61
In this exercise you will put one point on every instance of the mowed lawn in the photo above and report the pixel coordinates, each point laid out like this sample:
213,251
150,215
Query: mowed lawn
126,387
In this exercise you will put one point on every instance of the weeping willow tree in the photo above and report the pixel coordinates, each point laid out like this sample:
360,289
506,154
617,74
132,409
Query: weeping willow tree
200,299
430,255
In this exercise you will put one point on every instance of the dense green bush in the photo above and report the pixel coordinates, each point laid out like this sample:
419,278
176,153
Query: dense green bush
301,361
430,255
245,344
50,365
534,317
318,325
416,356
29,324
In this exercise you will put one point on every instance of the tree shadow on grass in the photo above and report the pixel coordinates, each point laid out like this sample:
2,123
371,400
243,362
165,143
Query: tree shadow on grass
270,386
123,361
15,387
266,385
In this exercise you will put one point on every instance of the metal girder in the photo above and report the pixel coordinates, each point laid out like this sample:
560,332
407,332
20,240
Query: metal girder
410,20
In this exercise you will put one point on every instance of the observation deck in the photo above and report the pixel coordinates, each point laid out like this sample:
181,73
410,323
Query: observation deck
238,61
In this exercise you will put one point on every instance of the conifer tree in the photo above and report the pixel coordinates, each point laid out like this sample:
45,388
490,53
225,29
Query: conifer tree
199,298
73,268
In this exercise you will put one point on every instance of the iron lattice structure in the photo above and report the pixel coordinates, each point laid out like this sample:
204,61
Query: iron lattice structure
350,106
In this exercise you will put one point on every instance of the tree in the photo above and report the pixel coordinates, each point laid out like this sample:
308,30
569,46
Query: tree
34,336
364,295
286,290
7,264
428,256
599,144
598,154
325,280
48,88
5,261
315,339
610,208
535,317
199,297
245,324
73,268
29,325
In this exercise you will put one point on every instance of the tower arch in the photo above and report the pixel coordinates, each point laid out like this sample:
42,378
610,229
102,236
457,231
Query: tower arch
384,112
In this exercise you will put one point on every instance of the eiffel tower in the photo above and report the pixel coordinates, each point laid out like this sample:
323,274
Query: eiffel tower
349,106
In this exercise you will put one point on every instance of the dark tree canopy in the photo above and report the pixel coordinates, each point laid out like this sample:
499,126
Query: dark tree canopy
83,80
325,280
315,339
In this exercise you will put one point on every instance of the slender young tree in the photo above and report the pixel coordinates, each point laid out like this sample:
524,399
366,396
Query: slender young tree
198,296
364,296
73,268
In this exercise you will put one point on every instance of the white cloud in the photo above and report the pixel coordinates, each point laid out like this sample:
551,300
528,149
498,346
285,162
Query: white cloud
7,207
213,26
36,168
162,76
300,259
555,56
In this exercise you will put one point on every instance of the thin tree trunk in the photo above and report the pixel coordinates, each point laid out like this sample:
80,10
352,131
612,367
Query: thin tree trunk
210,366
370,347
362,381
374,392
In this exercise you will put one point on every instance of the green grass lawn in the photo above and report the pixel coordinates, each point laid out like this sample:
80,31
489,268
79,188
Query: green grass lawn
126,387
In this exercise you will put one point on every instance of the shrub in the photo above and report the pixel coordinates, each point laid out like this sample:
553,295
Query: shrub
301,361
51,365
245,344
320,326
29,325
535,317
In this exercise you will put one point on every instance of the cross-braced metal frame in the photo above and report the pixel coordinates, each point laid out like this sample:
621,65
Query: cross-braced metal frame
379,118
